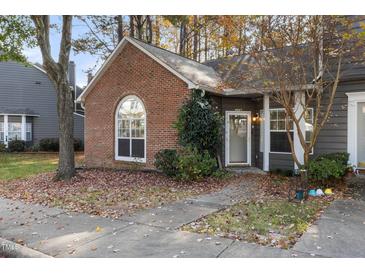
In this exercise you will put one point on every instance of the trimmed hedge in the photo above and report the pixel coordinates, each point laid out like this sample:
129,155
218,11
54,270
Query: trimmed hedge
52,144
16,146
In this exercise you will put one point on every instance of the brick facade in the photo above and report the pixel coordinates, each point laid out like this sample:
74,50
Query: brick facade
132,73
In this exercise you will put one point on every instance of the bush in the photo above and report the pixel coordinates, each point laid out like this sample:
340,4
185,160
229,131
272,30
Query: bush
2,148
341,157
16,146
328,167
194,165
78,144
167,160
198,125
187,164
52,144
49,144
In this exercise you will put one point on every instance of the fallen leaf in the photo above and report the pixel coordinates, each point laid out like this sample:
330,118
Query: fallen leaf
98,229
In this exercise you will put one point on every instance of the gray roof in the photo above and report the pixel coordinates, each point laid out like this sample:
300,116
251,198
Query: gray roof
196,72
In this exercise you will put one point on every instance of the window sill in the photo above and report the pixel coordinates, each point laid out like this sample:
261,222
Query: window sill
131,159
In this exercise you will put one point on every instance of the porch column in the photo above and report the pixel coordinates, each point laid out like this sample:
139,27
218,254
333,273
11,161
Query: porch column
266,165
6,127
24,128
299,108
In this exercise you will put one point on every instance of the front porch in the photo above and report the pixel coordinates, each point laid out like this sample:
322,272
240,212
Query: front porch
250,140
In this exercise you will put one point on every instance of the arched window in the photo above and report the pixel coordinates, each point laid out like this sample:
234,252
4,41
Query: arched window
130,130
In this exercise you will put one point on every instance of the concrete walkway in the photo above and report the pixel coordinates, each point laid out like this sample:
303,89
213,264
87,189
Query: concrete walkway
150,233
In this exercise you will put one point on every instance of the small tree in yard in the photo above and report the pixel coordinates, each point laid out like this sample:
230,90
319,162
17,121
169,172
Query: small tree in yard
18,31
302,56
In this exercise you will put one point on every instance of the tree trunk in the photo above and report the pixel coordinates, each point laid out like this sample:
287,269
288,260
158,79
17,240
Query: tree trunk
157,31
182,38
66,167
149,29
131,26
195,45
119,19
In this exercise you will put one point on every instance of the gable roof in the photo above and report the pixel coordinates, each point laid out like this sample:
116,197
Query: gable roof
196,75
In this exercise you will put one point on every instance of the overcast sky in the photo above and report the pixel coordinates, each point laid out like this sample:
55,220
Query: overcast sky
83,61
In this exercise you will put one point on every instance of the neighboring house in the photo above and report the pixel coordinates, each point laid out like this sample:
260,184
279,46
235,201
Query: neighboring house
28,104
133,100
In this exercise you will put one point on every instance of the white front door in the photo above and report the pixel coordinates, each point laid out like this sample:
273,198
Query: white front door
238,138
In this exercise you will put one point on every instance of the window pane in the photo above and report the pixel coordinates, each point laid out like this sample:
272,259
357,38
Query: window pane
281,125
138,148
281,114
273,125
273,115
280,142
123,128
131,108
124,147
1,136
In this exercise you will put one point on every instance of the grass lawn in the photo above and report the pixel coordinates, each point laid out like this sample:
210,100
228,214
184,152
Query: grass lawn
272,222
22,165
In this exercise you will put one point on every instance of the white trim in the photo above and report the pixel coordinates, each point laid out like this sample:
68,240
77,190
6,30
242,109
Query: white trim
353,99
266,164
123,158
6,129
78,114
227,114
116,52
298,110
19,114
24,128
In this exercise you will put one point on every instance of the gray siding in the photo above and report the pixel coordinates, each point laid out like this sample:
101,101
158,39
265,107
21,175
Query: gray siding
333,136
26,87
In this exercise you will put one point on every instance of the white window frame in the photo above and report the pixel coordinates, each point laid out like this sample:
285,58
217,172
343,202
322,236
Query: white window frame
18,133
28,125
276,130
2,131
353,99
116,137
262,130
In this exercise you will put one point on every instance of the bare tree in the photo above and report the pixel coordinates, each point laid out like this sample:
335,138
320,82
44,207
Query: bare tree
57,72
301,59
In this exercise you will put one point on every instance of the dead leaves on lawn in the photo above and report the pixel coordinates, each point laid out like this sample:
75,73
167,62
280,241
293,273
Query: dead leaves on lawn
107,193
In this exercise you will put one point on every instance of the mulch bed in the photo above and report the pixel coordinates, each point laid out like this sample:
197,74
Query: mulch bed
108,193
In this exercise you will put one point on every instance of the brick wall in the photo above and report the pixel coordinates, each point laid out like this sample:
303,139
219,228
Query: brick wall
132,73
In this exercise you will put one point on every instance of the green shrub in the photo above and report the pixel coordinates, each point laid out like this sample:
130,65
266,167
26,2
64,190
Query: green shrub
52,144
167,161
16,146
2,148
187,164
198,125
341,157
49,144
78,144
193,165
324,169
